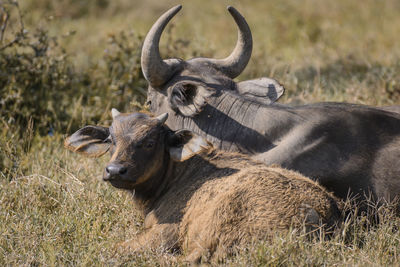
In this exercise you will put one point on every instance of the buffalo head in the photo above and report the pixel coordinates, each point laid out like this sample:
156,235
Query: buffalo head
141,147
186,85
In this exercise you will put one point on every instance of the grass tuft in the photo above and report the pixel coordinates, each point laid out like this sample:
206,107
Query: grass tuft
64,64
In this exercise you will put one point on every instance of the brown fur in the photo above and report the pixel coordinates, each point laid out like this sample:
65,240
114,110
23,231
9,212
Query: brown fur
210,208
198,200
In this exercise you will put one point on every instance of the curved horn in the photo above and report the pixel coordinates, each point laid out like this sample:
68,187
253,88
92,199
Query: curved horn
156,70
235,63
162,118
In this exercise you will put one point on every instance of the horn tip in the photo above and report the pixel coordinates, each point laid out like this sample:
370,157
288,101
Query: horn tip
163,117
234,12
114,112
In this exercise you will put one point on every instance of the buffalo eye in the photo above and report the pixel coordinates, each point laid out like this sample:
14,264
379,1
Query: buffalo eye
150,144
145,145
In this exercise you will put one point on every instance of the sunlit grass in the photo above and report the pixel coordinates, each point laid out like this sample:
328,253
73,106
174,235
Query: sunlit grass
54,208
320,50
60,212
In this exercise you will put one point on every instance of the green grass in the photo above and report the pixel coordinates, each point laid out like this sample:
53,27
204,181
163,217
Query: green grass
320,50
55,210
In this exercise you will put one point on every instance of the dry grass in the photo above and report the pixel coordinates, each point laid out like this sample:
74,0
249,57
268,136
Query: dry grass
54,210
320,50
60,213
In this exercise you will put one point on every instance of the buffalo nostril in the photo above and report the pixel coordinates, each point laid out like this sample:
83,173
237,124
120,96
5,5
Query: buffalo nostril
123,170
107,175
115,169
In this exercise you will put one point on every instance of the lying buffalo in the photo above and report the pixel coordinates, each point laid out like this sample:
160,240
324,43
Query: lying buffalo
196,199
345,147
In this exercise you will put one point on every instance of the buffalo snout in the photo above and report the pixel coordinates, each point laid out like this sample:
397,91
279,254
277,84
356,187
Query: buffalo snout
115,171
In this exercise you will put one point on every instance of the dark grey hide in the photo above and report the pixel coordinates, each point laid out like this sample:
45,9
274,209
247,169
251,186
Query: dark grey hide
341,145
346,147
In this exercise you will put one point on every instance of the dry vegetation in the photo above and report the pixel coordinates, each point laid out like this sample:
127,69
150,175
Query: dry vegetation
72,60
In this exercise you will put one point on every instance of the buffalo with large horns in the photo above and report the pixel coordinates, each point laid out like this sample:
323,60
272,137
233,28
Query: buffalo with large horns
348,148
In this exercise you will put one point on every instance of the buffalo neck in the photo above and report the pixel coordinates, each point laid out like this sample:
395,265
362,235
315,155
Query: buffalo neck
176,176
146,193
233,123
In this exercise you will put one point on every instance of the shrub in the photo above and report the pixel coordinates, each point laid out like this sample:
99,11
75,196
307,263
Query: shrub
42,88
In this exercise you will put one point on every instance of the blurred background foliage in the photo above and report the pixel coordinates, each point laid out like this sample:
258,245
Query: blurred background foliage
65,63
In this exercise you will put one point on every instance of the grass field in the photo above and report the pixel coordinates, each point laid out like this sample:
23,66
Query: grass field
78,59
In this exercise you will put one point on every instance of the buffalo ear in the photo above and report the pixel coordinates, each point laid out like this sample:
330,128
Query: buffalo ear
184,144
90,141
189,98
263,90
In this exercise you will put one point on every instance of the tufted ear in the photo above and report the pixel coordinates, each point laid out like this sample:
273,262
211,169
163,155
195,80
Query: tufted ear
189,97
263,90
184,144
90,141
